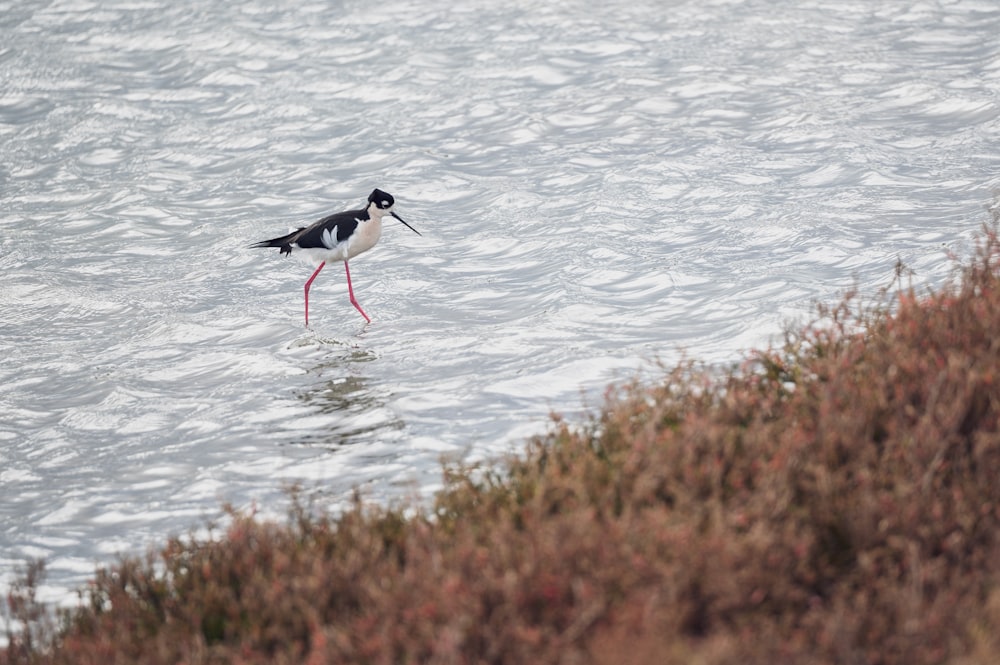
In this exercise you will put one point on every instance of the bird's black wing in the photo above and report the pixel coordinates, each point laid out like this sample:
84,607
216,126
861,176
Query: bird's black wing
340,224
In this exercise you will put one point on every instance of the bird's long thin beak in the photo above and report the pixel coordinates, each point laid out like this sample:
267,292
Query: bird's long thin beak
404,223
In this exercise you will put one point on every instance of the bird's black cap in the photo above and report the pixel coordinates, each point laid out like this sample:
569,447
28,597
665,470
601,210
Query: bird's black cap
382,200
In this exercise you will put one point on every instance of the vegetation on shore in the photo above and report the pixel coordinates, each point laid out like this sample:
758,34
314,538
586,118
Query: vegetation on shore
834,500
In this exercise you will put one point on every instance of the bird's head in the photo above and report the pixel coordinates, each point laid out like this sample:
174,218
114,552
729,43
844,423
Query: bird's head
380,203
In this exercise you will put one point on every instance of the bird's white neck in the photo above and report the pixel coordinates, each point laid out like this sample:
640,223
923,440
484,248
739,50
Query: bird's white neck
375,212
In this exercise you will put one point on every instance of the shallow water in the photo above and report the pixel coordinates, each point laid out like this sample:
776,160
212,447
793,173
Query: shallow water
597,188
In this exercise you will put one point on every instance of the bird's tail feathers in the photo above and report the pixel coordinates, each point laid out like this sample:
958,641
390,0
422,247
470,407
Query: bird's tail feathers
284,242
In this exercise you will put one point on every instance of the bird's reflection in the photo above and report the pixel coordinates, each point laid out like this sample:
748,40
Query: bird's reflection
359,408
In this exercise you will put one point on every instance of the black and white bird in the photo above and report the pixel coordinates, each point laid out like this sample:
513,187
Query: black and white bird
339,237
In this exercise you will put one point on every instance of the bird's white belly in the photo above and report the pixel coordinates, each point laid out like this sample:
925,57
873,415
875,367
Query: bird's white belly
364,237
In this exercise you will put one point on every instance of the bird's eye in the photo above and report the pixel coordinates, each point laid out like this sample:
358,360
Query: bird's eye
385,204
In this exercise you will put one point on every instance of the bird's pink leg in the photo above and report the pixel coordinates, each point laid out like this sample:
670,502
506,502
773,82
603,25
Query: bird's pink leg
308,284
350,290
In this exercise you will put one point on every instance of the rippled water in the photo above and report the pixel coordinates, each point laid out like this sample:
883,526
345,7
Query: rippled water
598,185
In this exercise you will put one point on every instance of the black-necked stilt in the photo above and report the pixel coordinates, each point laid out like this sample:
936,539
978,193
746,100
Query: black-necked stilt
339,237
